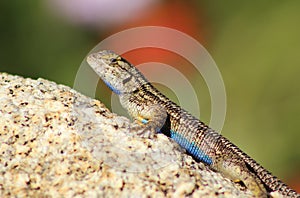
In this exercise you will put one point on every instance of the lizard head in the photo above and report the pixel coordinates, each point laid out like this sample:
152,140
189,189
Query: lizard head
117,73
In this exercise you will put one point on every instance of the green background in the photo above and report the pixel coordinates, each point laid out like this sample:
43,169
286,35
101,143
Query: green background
256,46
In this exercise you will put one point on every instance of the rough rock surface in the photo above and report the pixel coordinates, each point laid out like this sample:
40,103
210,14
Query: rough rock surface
56,142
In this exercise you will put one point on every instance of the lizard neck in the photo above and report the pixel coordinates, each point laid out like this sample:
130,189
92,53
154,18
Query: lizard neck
116,91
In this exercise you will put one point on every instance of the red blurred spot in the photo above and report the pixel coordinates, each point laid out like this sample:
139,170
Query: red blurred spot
179,15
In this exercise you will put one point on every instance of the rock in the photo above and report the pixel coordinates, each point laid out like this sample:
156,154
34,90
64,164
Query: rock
56,142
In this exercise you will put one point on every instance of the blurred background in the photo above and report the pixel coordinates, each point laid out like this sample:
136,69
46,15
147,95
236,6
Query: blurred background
256,46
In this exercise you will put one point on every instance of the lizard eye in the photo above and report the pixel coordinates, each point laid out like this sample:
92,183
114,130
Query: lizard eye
113,60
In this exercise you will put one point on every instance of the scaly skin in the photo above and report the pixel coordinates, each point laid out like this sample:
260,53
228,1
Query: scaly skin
157,113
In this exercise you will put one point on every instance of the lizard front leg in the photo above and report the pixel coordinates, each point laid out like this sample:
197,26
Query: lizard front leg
149,117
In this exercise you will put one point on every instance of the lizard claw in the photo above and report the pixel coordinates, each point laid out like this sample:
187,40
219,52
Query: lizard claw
142,131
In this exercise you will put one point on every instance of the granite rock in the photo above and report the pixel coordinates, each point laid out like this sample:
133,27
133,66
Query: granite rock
56,142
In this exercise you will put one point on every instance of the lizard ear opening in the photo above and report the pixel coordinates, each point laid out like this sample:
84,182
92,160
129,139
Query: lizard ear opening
127,79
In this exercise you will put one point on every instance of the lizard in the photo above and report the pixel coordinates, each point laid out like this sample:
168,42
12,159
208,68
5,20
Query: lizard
157,113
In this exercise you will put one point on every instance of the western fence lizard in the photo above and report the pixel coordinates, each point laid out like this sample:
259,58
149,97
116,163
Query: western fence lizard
157,113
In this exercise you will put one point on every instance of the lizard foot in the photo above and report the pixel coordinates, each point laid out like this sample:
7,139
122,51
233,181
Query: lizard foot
142,131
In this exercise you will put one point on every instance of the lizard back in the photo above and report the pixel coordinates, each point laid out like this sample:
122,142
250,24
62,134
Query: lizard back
193,135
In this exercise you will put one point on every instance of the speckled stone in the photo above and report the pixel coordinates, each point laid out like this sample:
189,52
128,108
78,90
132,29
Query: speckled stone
56,142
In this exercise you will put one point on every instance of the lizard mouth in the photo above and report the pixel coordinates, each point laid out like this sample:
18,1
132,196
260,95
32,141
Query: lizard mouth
91,58
96,63
98,58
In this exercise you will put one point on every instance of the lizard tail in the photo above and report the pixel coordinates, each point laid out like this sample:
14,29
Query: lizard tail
271,182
